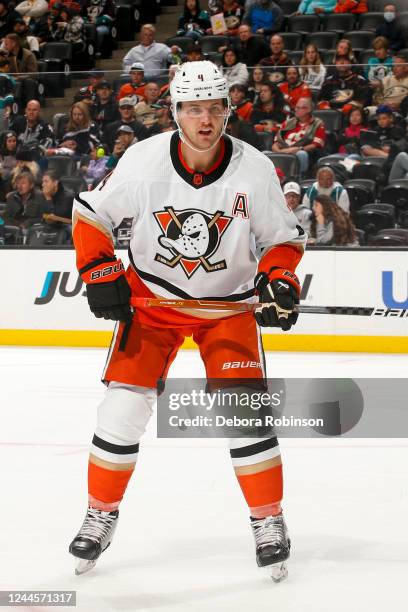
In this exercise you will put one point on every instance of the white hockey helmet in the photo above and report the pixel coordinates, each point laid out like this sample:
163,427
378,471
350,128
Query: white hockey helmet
198,81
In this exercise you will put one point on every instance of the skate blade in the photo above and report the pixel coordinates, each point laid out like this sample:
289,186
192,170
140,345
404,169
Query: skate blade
83,566
277,571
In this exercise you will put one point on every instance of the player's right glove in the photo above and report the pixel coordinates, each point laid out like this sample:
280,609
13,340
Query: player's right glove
279,292
107,289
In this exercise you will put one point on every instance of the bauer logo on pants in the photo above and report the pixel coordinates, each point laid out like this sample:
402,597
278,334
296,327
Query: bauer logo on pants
191,236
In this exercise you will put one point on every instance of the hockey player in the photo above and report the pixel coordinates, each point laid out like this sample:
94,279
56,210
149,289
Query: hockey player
209,221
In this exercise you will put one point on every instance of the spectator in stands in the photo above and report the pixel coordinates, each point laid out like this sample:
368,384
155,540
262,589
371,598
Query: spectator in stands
250,48
124,138
134,89
105,110
233,69
20,27
349,139
164,120
26,162
32,128
102,14
89,91
312,71
94,169
269,114
240,103
127,117
344,49
391,29
302,135
293,87
81,129
165,90
233,13
32,8
399,168
193,22
393,89
57,203
257,78
7,17
344,88
23,206
326,184
154,56
69,27
330,224
144,111
264,17
194,54
23,63
389,135
278,61
243,130
356,7
292,193
8,161
381,64
311,7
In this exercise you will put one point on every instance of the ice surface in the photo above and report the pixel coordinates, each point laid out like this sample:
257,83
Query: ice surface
183,540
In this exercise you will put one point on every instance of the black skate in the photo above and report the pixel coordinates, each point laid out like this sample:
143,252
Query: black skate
93,538
272,545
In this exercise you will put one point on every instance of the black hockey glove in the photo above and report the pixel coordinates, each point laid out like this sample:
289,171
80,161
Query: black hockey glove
278,293
107,290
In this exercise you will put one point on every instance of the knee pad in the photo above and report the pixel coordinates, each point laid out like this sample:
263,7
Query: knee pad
122,419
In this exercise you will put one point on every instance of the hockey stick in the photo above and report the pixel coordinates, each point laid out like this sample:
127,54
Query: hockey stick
365,311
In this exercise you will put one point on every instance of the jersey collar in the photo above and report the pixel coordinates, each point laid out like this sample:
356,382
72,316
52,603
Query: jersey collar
200,179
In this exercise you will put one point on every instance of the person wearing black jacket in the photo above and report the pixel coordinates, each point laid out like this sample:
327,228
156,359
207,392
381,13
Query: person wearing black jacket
345,86
24,205
57,203
127,117
105,110
391,30
7,18
31,128
391,137
251,49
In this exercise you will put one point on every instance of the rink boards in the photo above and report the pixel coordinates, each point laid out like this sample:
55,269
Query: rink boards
43,302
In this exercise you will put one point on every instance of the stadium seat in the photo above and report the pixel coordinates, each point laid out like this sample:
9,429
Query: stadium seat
359,194
40,234
76,184
303,23
267,140
338,22
292,40
13,234
323,40
403,19
62,164
128,18
396,193
213,43
329,159
185,43
403,219
295,56
305,184
364,55
389,237
59,122
374,217
214,56
360,39
90,40
332,119
370,21
289,6
289,164
361,237
327,56
368,169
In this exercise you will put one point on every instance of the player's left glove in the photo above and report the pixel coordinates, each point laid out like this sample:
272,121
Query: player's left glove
278,293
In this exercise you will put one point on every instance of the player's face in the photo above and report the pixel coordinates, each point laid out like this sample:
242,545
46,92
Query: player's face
202,122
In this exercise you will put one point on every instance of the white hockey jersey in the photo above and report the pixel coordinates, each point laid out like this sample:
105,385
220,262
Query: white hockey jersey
194,235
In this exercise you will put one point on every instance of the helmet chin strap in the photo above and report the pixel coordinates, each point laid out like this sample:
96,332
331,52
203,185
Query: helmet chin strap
184,138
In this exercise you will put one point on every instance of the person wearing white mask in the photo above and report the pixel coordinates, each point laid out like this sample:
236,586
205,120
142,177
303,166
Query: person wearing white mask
391,29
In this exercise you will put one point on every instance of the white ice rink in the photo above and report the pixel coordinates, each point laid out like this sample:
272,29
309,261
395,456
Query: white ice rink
183,540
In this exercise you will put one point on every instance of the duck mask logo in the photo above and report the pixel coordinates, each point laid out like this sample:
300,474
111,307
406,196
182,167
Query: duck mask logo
192,236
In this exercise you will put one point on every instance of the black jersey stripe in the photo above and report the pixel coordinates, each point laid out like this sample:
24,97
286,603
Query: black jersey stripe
254,449
81,201
117,449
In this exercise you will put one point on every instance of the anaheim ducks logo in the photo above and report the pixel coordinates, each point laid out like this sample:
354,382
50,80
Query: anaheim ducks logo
192,236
